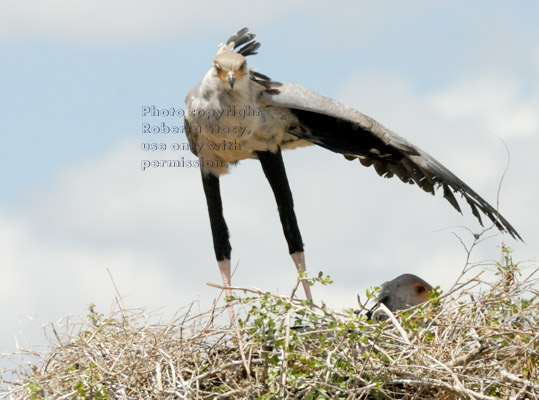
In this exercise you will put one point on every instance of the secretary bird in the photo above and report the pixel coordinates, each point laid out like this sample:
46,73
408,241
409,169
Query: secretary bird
259,117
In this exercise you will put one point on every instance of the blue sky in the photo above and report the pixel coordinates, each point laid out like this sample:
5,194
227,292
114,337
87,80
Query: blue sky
454,79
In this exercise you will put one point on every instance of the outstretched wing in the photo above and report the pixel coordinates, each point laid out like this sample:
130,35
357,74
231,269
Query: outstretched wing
342,129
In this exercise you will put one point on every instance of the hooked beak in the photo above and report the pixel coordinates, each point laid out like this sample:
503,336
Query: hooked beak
231,79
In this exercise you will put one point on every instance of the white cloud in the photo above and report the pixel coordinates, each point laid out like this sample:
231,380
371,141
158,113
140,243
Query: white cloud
495,102
94,22
45,280
125,21
103,21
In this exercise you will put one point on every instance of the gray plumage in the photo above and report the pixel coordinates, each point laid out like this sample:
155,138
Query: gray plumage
292,116
404,291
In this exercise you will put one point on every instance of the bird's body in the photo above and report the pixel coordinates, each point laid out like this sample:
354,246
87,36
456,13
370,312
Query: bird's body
239,132
235,113
234,123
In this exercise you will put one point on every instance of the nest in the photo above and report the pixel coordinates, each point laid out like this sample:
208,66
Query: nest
478,341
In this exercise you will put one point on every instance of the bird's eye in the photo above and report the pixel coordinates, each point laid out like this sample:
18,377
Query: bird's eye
217,65
420,289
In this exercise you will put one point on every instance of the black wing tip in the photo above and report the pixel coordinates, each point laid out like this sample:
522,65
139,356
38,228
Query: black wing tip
475,202
504,226
478,204
516,236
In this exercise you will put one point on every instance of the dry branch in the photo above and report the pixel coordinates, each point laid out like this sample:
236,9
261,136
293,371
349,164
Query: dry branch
464,345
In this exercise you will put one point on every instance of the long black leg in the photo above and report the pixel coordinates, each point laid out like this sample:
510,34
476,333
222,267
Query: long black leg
273,167
219,230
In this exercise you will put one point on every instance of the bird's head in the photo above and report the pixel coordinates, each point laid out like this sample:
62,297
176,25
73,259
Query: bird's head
421,291
230,67
404,291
